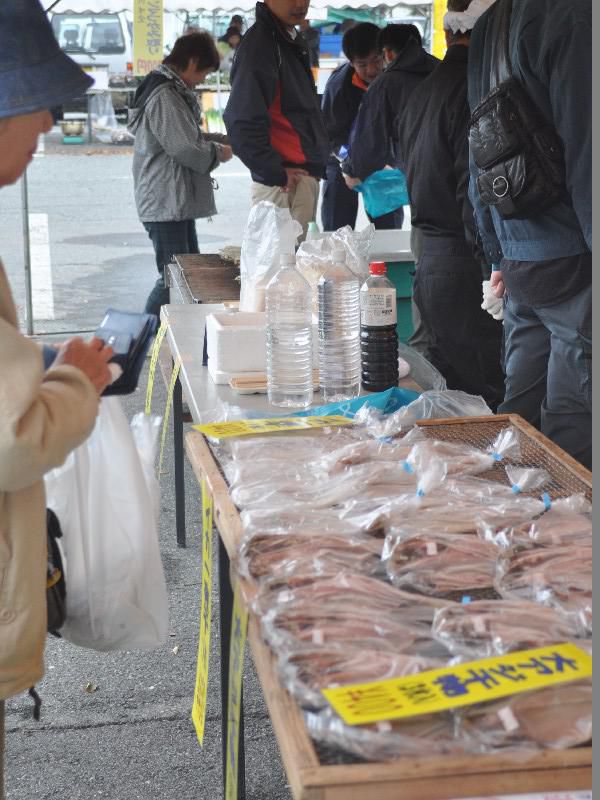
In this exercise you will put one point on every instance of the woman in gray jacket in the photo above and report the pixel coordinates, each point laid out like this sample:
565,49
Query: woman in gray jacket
172,158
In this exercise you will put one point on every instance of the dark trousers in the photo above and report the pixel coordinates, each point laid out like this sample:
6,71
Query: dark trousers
339,206
168,239
548,355
466,342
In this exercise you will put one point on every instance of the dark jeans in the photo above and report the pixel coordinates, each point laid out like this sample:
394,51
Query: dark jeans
169,239
340,204
548,354
466,342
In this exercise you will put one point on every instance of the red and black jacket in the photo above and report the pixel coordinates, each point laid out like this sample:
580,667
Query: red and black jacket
273,117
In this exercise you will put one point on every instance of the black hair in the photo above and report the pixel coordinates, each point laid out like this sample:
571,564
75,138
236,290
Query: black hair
395,37
360,41
199,47
237,18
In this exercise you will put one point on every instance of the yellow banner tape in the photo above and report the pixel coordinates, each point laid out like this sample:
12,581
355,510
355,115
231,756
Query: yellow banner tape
239,626
201,690
252,427
460,685
170,390
153,362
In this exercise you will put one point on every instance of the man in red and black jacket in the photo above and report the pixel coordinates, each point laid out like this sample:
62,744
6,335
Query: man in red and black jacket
273,117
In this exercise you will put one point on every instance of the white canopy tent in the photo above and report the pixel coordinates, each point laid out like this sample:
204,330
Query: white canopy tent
174,6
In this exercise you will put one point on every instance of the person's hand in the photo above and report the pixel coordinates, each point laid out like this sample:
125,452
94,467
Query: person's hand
492,304
225,153
496,283
294,174
352,182
90,357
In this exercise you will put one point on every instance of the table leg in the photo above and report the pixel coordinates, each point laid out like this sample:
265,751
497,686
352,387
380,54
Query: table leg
225,612
179,466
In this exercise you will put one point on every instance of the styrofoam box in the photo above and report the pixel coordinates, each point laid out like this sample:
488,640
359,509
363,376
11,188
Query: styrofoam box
392,245
236,344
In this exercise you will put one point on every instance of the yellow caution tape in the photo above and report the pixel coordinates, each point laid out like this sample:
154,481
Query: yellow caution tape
201,690
239,626
170,390
252,427
152,370
460,685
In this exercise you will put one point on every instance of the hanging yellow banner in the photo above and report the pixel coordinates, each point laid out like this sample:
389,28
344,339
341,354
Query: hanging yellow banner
252,427
438,44
239,627
460,685
147,35
201,691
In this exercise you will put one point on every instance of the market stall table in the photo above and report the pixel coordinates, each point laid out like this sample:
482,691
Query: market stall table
415,779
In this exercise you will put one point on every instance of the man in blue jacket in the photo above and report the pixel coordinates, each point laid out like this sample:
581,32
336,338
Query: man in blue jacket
341,100
273,117
374,136
545,260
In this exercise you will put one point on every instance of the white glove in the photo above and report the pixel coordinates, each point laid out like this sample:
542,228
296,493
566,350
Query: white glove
492,304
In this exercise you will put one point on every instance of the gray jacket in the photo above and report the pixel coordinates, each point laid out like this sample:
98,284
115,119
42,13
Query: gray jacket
172,159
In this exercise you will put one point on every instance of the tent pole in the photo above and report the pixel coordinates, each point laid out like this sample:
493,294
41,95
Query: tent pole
27,254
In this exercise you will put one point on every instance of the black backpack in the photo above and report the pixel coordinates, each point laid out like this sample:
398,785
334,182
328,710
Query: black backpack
519,156
56,587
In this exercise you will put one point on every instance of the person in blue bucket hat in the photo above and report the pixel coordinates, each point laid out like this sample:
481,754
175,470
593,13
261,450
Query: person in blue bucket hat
44,413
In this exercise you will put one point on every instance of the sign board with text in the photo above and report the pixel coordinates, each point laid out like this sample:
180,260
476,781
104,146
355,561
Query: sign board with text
147,35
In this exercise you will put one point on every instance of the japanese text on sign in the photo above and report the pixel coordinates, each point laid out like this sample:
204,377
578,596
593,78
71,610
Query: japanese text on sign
460,685
147,35
200,693
248,427
239,626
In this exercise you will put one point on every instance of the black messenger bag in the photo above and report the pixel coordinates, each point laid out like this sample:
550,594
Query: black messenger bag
519,156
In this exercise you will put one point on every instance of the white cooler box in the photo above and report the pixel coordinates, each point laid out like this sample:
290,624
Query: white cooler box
236,344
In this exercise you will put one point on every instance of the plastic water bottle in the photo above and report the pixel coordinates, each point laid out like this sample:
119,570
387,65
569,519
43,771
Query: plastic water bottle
312,231
288,300
378,337
339,331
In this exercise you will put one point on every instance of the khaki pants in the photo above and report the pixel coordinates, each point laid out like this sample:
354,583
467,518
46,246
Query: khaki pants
301,201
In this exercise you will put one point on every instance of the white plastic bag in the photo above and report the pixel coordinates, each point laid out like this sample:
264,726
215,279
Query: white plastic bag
270,232
106,498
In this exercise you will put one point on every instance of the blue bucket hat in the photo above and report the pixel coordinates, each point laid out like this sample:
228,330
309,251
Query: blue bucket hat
34,72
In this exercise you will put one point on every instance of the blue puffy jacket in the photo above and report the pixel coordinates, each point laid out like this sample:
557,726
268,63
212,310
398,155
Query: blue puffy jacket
550,46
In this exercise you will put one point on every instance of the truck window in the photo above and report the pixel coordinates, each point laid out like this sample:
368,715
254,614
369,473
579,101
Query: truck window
94,33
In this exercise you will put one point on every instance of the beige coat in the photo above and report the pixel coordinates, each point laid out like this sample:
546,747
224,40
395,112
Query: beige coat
43,415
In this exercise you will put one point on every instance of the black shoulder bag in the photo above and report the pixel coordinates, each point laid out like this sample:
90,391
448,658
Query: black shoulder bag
519,156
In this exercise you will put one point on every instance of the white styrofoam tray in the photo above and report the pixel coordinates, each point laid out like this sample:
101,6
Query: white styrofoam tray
236,344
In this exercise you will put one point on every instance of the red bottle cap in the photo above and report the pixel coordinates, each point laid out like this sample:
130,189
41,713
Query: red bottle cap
377,267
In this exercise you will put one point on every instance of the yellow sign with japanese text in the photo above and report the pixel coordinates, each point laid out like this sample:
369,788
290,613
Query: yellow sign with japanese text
239,627
460,685
252,427
147,35
201,691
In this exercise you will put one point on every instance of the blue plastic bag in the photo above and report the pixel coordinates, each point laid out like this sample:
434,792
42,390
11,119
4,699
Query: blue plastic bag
384,191
387,402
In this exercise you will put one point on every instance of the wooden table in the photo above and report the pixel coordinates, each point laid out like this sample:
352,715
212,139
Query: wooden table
433,778
427,778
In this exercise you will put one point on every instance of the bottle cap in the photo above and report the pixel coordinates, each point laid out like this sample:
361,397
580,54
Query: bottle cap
313,227
377,267
287,260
